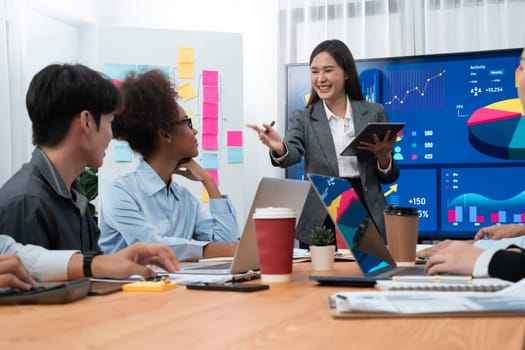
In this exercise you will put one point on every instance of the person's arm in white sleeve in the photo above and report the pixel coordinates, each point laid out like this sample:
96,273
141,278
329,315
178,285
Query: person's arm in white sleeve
481,267
42,264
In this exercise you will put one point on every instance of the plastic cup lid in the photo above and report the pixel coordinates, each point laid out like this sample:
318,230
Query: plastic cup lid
405,211
274,213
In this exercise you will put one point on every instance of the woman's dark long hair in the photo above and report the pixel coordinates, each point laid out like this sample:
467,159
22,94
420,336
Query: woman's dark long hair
344,59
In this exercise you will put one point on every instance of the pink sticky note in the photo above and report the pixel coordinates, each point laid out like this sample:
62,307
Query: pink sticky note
210,78
210,110
210,94
210,126
234,139
215,175
209,142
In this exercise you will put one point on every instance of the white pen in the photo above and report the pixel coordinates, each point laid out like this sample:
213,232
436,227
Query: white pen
434,279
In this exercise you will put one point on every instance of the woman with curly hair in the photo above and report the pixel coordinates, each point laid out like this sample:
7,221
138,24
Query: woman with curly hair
147,205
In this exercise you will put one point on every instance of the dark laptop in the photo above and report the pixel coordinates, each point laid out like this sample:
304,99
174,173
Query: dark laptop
359,232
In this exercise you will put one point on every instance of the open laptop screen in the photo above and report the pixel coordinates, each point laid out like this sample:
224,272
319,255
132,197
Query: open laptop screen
352,220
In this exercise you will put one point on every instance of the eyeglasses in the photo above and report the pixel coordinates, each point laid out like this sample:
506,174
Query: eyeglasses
187,121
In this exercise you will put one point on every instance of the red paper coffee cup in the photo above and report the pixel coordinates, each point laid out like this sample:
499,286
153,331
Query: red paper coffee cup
275,233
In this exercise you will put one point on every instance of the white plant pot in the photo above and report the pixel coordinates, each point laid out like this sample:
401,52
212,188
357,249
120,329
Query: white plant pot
322,257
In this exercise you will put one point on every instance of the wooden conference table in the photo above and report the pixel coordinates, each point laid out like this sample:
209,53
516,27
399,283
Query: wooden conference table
291,315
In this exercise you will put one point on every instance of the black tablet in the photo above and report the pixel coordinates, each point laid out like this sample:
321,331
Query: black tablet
366,135
47,293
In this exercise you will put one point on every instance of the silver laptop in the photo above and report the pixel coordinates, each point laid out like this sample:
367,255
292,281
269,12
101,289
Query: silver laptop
359,232
270,192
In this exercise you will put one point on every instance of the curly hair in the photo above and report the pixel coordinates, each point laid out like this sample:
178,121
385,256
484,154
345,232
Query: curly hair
149,105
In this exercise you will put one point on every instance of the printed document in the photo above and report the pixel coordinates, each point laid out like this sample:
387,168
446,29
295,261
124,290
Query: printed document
508,301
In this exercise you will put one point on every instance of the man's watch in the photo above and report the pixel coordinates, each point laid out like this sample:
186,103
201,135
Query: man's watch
88,260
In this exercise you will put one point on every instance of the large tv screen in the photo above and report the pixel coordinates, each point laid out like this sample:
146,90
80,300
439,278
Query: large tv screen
462,151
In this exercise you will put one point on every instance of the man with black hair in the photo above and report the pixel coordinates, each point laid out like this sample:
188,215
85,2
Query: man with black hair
71,108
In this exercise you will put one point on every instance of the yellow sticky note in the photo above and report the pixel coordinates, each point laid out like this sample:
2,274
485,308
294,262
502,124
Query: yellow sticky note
185,70
149,286
186,54
186,91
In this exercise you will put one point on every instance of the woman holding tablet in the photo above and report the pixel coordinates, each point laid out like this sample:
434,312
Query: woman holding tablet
335,113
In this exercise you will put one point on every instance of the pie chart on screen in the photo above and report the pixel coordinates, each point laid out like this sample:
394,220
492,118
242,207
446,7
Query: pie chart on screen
498,130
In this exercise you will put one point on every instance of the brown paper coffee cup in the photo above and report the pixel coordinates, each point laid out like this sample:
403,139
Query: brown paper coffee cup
402,225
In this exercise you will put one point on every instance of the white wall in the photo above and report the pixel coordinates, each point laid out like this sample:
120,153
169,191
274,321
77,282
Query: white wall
5,122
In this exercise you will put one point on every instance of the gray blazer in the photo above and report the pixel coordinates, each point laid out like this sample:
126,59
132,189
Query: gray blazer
309,135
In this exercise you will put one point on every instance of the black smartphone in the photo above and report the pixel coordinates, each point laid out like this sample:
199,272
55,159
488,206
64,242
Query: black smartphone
232,287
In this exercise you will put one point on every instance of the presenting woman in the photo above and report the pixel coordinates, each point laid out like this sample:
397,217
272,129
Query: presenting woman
336,112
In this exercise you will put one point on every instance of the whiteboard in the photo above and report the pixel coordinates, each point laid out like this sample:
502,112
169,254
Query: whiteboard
213,51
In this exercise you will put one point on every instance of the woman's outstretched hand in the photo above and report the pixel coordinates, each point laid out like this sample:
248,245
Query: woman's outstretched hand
270,137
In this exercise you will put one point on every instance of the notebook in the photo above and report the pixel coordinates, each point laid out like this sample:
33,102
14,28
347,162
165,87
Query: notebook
270,192
359,232
442,285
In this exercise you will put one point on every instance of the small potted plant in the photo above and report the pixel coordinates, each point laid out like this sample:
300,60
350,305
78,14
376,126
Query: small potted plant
322,248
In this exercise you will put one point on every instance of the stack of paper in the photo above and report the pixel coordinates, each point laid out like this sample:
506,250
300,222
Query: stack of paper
509,301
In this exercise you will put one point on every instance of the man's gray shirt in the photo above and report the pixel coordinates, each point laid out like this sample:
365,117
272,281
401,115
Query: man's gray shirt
37,208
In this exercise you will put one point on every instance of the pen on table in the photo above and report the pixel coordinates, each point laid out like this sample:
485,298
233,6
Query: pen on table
271,125
434,279
341,296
